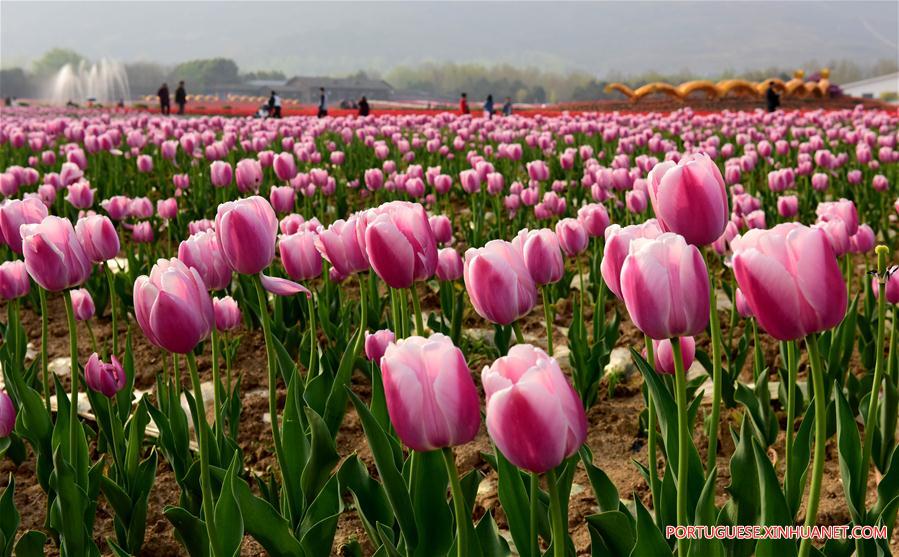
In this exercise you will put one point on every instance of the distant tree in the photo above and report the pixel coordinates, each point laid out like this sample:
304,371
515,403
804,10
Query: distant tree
206,71
53,60
14,82
270,75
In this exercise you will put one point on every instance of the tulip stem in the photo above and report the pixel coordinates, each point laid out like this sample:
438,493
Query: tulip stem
814,494
45,333
416,307
871,420
532,519
73,352
559,520
459,505
792,372
715,326
313,340
201,429
519,336
273,393
651,437
90,334
110,280
217,388
683,440
548,316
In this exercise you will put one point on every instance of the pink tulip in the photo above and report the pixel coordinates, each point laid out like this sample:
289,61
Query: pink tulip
376,344
53,255
13,214
98,237
7,415
221,174
572,236
689,198
843,209
81,196
820,181
664,355
636,201
246,231
880,183
618,241
837,234
14,282
498,282
298,255
116,206
285,166
172,306
144,164
449,264
340,246
791,280
863,241
788,206
83,304
541,253
665,287
892,288
538,171
594,218
374,179
202,252
167,208
431,399
742,305
399,243
249,175
142,233
227,313
106,379
140,208
282,198
533,415
442,229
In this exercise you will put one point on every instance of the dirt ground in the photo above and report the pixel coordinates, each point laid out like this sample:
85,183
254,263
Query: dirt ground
613,437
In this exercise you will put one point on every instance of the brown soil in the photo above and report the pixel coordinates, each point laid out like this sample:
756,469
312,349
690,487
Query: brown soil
613,437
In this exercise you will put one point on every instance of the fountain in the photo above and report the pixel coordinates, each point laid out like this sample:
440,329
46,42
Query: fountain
102,82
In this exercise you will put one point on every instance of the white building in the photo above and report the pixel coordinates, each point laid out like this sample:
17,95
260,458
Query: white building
873,88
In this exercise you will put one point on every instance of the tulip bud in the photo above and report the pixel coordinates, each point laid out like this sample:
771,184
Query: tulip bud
14,282
221,174
7,415
227,313
106,379
499,284
167,208
533,415
83,304
13,214
541,253
665,286
572,236
594,218
53,255
449,264
399,243
431,398
246,231
376,344
298,255
664,355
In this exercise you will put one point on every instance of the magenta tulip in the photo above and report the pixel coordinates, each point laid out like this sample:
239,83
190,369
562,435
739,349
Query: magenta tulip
83,304
53,255
892,288
788,206
172,307
572,236
791,280
541,253
221,174
498,282
594,218
98,237
533,415
106,379
7,415
202,252
399,243
285,166
246,231
339,245
665,287
376,344
431,398
449,264
249,175
13,214
664,355
689,198
116,206
298,255
843,209
618,241
227,313
14,282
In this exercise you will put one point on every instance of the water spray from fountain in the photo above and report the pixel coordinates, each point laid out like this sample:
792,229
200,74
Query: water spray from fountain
103,82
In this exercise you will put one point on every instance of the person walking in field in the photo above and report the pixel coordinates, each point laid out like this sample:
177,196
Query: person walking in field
163,94
488,107
507,107
274,105
180,97
772,99
322,103
364,109
463,104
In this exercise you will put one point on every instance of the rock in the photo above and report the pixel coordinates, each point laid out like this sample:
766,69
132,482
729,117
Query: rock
60,367
620,362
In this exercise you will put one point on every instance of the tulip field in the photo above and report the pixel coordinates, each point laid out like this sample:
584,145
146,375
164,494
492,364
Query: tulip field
582,333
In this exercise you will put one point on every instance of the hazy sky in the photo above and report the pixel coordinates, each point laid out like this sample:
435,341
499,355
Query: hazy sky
340,37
